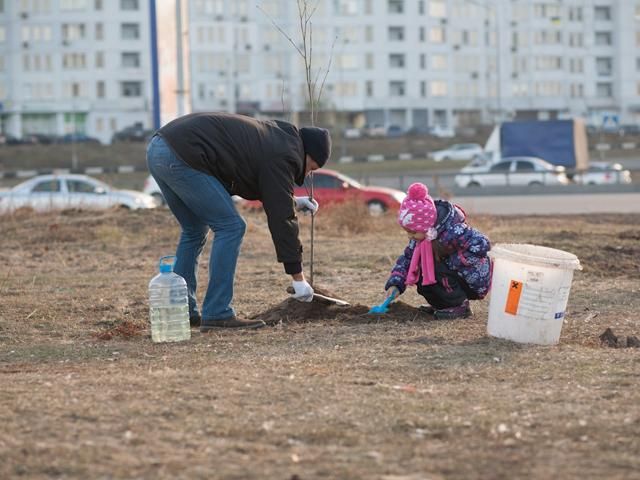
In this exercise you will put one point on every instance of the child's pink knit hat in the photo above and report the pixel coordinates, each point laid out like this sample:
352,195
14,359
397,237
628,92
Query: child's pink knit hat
417,211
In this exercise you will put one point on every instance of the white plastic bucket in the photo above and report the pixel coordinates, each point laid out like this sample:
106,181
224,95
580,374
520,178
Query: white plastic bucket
529,292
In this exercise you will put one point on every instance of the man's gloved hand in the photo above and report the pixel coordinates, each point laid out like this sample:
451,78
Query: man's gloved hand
303,292
306,205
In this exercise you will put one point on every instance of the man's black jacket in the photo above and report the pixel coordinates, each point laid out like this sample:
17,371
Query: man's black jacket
255,159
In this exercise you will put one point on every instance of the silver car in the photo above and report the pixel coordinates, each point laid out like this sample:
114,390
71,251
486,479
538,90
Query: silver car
61,191
458,151
513,171
603,173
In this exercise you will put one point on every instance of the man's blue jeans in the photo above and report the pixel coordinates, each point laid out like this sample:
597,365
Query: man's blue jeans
199,202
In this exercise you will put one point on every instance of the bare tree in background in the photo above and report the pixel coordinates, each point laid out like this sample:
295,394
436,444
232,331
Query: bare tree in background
306,10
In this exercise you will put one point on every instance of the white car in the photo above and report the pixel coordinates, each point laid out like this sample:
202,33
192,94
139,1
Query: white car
151,188
513,171
603,173
61,191
459,151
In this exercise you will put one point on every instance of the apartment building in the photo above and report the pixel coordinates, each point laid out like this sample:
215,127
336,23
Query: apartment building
420,62
85,65
74,66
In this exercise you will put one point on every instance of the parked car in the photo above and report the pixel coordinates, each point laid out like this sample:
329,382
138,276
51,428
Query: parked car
374,131
458,151
603,173
331,187
132,133
442,131
513,171
77,138
56,192
352,132
395,131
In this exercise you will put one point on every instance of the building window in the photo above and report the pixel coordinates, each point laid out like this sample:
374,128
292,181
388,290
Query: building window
129,5
397,88
98,5
130,59
604,65
436,35
368,34
370,61
396,34
395,6
346,7
575,14
99,59
603,38
73,4
437,9
439,62
423,61
421,34
130,31
73,31
396,60
368,7
604,90
438,88
423,89
100,89
99,31
602,13
421,7
131,89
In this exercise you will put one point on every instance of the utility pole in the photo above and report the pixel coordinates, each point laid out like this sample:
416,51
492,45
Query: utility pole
179,61
155,80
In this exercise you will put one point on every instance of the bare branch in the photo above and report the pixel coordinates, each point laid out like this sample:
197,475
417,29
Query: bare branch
284,34
326,73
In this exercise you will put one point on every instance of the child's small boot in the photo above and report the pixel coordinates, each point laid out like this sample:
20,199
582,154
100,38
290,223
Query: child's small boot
426,308
461,311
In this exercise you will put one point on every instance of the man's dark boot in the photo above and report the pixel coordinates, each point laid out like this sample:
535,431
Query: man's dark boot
194,320
230,322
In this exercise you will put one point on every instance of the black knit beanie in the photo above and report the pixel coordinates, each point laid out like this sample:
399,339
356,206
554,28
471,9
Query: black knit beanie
317,143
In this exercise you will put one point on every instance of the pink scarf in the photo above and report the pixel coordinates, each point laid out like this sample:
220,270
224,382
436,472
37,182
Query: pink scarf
422,261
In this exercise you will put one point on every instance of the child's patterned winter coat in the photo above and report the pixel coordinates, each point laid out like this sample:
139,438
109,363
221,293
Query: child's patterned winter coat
465,252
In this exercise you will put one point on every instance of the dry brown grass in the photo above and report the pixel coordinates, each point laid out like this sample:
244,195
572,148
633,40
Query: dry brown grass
85,394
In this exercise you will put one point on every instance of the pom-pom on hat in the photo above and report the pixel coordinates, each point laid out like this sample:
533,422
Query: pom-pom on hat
417,211
317,143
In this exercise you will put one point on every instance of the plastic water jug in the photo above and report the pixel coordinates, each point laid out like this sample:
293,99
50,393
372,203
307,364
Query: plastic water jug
168,304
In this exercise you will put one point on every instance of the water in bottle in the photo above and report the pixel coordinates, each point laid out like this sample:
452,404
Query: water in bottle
168,304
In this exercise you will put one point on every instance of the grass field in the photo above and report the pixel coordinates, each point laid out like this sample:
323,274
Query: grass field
322,392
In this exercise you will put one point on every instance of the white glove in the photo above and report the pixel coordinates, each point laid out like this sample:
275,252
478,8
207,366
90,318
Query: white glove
306,205
303,292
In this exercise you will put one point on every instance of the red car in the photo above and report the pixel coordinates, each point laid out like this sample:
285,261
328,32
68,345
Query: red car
330,187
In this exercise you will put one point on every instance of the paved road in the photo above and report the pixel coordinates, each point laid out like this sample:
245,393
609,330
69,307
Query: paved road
551,204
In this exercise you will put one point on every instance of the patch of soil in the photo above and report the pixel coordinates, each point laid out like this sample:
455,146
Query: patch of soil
125,329
293,311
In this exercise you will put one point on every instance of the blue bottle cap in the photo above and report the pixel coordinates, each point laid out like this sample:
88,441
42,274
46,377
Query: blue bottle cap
167,263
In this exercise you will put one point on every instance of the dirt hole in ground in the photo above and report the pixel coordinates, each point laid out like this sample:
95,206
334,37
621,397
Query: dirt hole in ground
293,311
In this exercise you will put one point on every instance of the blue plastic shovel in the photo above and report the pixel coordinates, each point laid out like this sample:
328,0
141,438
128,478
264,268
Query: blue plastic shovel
384,306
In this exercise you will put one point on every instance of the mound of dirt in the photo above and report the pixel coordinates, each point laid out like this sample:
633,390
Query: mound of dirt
293,311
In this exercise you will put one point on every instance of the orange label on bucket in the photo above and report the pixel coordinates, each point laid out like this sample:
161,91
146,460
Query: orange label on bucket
513,297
